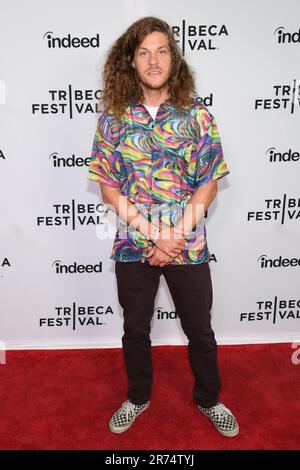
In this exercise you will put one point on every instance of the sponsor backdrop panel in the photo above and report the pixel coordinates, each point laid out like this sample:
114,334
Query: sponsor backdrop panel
57,281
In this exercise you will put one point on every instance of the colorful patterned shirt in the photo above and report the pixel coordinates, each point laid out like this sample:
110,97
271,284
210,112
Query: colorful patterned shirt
157,164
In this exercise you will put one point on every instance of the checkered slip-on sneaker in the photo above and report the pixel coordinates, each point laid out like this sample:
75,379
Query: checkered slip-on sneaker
222,418
122,419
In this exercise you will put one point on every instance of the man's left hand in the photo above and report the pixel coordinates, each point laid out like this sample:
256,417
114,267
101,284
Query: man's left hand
158,257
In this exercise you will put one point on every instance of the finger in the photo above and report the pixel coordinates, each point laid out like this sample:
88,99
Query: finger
150,253
174,254
181,246
181,243
168,262
163,262
165,251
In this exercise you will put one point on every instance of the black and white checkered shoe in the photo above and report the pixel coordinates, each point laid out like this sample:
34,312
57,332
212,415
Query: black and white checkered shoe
122,419
222,418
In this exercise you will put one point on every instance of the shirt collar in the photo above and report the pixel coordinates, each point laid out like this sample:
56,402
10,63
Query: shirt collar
167,104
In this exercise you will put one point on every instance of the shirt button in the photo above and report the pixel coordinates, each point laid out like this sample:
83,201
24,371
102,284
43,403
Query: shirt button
151,125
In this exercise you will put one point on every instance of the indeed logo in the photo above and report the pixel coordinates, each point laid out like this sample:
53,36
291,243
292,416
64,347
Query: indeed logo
277,262
68,41
285,37
207,100
162,314
76,268
69,162
287,156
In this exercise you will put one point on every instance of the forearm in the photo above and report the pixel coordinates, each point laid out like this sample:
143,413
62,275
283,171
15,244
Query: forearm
197,206
127,211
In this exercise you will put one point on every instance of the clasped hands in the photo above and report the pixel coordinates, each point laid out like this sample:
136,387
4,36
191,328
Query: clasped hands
168,246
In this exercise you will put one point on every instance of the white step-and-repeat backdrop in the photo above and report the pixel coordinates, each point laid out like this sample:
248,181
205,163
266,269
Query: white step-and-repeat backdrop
57,282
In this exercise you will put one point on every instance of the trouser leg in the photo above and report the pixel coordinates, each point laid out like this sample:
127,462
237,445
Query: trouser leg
137,287
191,290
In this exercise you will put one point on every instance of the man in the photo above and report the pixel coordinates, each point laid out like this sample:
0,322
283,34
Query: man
157,156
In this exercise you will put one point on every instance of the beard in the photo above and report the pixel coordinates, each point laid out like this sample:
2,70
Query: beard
153,86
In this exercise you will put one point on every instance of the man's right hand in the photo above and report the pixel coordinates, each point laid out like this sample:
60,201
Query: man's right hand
158,258
171,242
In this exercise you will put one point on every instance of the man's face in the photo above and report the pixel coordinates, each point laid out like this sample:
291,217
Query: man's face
152,61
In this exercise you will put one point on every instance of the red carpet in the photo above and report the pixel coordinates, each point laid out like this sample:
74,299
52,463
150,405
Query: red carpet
64,399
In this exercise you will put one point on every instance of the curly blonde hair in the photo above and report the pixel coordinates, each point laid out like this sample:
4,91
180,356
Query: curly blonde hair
120,78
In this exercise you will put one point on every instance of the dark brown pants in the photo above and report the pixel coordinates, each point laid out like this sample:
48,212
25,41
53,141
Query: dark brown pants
191,290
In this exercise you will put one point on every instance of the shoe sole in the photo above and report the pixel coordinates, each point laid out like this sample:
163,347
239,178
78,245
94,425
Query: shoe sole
116,430
232,433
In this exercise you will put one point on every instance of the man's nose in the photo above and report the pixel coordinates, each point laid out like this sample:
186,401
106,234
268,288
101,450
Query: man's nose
153,59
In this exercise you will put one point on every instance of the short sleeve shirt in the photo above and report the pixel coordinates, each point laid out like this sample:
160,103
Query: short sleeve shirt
158,165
